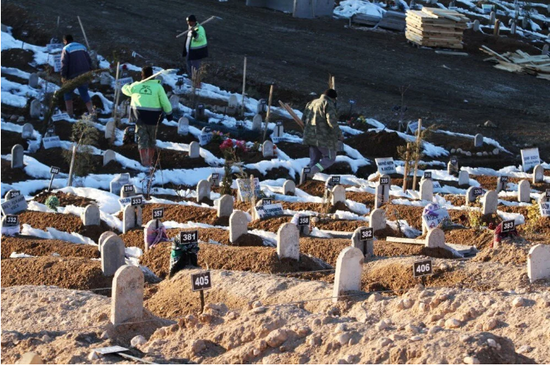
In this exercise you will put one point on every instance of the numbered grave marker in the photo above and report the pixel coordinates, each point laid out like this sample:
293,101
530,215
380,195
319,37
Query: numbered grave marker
508,226
478,191
335,180
189,237
548,194
128,188
367,234
422,268
201,281
384,180
303,221
12,220
158,213
136,201
14,193
427,175
54,170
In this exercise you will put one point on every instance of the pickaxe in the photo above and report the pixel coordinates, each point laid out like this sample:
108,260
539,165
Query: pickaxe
206,21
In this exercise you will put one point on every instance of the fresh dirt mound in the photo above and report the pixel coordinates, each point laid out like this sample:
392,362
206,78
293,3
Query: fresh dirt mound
376,144
480,240
508,252
294,151
361,197
184,214
65,199
9,139
412,214
46,247
253,259
340,225
67,223
339,206
271,224
10,175
73,273
325,249
249,240
313,187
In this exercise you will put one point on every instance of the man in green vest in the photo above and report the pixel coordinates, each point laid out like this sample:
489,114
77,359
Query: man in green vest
321,131
148,102
196,46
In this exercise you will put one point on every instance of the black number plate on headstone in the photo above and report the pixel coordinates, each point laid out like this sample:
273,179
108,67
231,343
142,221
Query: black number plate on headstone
128,188
12,220
215,176
201,281
366,234
548,193
279,123
188,237
266,201
158,213
54,170
508,226
50,131
478,192
14,194
303,221
307,170
504,179
423,268
384,181
427,175
335,180
136,201
132,129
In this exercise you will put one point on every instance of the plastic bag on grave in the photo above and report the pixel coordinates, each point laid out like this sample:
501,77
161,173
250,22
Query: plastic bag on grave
183,255
433,215
156,235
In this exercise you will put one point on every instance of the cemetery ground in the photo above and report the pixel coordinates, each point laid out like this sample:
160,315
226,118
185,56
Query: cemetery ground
264,306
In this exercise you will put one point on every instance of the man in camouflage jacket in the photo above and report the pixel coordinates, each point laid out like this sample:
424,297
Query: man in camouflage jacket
321,131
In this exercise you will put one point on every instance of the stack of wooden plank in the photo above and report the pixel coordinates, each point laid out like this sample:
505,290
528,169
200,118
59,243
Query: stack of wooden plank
520,62
434,27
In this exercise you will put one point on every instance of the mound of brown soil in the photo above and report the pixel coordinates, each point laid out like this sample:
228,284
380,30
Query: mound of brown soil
65,199
294,151
45,247
270,224
10,175
68,223
72,273
314,188
376,144
19,58
412,214
480,240
249,240
508,252
9,139
253,259
184,214
340,225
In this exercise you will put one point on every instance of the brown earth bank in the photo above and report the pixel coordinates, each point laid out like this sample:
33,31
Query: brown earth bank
46,247
67,272
65,199
10,175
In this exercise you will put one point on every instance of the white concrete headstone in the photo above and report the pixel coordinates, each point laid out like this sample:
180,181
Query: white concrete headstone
175,102
35,108
349,267
33,80
463,178
233,102
490,203
426,190
435,238
524,191
112,255
501,183
110,128
538,262
365,246
478,140
257,123
203,190
150,227
338,195
132,216
108,156
225,206
538,174
117,183
102,239
27,131
17,154
238,225
183,126
194,150
127,300
267,149
126,191
91,215
288,241
378,219
289,187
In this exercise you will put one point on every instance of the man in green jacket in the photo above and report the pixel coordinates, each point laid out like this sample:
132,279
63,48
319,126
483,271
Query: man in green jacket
148,102
321,131
196,46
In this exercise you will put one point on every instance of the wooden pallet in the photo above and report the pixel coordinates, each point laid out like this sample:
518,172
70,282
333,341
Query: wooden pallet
435,27
520,62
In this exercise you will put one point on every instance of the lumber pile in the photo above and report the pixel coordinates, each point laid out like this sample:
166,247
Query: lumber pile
434,27
520,62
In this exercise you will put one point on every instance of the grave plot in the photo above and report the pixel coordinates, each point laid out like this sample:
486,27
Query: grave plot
265,267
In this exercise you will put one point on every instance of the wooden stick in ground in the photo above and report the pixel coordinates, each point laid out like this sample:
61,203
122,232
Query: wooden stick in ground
83,32
333,83
406,172
496,31
417,156
117,92
268,113
330,81
244,86
292,114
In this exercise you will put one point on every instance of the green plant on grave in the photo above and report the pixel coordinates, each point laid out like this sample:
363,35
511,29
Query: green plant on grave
474,219
533,219
52,202
412,153
85,135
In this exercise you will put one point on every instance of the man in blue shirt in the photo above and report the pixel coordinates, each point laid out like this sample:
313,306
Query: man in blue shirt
75,61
